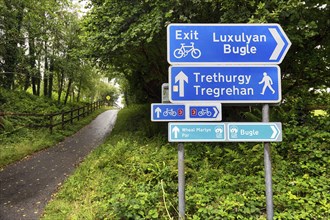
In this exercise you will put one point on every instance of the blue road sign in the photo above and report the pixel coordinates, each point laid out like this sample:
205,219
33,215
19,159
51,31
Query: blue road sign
168,112
225,132
196,132
226,44
185,112
204,112
225,84
264,132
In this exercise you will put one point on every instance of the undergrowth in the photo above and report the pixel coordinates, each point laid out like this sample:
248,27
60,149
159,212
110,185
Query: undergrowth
134,176
17,138
24,141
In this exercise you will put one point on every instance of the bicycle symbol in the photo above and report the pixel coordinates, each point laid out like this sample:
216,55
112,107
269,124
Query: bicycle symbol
170,112
183,51
204,112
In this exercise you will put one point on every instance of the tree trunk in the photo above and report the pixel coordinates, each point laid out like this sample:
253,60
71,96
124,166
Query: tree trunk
79,88
68,91
51,76
32,63
46,71
72,97
27,80
60,86
12,29
38,78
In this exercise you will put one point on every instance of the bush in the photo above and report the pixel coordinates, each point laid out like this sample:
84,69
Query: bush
133,176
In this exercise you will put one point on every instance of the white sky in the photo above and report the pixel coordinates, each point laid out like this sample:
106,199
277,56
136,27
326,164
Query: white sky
81,6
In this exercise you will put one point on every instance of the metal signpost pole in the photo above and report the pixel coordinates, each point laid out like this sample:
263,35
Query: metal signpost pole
181,179
268,168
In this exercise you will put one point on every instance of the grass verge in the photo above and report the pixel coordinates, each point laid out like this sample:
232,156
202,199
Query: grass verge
25,141
133,175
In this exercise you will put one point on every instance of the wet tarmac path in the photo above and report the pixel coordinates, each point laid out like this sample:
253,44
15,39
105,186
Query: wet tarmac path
27,186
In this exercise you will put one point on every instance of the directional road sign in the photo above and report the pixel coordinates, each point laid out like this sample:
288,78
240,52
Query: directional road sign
185,112
196,132
225,84
225,132
226,44
265,132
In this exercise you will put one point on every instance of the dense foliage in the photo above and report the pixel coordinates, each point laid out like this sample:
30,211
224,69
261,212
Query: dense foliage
41,51
129,37
132,176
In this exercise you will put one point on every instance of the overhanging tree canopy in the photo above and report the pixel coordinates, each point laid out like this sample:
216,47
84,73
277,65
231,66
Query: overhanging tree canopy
130,36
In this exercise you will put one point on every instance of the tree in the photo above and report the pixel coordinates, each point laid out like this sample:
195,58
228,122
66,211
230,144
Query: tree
130,37
40,40
12,17
305,70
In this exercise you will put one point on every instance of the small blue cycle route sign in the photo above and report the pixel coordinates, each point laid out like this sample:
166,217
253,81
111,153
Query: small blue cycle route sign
167,112
161,112
203,111
226,44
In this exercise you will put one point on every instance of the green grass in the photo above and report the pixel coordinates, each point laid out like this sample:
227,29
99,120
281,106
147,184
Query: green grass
22,142
111,175
17,138
133,175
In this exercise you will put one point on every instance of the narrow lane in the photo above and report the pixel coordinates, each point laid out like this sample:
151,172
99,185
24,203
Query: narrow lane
27,186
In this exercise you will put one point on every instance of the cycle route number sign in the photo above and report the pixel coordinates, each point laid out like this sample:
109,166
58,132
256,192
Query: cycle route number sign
167,112
226,44
161,112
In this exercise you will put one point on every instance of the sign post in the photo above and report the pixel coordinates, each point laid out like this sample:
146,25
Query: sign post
268,168
255,49
181,181
165,93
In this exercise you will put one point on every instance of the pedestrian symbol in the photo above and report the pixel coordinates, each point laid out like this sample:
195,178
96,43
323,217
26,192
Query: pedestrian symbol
267,83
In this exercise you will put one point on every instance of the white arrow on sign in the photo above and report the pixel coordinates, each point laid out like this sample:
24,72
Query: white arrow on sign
158,111
181,77
176,130
279,46
274,131
216,112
